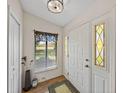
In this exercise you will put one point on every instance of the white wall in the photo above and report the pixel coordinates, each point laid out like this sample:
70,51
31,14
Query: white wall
18,11
17,8
30,23
97,9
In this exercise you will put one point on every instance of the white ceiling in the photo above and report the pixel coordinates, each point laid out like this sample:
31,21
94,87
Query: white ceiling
72,9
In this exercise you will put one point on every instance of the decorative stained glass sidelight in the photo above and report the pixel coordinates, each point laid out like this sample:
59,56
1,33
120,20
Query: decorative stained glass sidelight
99,42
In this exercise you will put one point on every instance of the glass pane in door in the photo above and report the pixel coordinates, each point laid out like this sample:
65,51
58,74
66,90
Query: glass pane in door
99,42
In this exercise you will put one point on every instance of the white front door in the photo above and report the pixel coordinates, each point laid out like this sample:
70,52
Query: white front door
103,65
13,55
80,58
85,41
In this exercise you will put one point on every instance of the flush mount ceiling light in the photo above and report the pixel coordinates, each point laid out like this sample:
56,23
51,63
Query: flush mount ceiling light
55,6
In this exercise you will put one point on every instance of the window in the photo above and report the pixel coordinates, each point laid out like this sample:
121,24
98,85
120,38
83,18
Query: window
45,49
99,45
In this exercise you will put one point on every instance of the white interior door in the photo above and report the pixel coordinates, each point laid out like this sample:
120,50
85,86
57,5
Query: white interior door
13,50
103,65
80,58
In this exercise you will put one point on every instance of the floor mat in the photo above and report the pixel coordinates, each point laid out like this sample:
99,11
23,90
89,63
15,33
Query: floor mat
47,92
62,87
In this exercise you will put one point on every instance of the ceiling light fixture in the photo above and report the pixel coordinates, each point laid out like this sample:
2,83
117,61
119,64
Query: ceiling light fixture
55,6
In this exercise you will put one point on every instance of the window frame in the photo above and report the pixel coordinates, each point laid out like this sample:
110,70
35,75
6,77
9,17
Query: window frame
46,52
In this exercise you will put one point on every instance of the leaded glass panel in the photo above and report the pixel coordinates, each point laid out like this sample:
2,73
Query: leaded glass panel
99,45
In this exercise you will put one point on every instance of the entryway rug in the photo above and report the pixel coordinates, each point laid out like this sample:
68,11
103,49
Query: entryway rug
62,87
47,92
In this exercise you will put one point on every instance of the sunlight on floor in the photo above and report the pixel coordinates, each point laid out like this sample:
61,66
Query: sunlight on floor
47,92
43,87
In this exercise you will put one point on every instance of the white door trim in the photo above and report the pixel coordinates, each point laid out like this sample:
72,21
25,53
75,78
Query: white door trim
12,13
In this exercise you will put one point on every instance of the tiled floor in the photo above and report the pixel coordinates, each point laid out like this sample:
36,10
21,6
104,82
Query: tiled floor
43,87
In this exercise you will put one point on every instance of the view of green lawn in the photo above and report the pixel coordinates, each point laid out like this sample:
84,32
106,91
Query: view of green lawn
40,53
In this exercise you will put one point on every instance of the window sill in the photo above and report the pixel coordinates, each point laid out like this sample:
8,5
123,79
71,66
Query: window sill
36,70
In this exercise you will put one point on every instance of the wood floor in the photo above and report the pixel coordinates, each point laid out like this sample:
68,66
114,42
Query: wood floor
43,87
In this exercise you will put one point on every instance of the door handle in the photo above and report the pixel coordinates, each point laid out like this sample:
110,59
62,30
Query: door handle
23,63
87,66
13,69
86,60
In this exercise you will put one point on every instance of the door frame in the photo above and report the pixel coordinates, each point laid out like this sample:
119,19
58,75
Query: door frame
13,14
